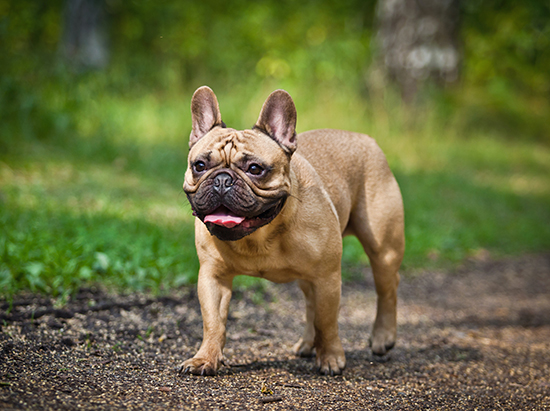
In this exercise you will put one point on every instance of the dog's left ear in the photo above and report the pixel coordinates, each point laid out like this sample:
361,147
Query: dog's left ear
278,120
205,113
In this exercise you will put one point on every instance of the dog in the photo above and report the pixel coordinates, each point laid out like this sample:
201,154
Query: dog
272,204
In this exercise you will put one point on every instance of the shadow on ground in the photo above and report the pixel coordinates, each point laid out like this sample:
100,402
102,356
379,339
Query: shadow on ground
475,337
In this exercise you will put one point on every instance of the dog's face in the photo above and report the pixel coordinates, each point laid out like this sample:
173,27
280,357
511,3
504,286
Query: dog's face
238,181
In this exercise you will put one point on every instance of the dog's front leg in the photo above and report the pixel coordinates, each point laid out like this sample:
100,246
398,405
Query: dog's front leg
305,345
214,296
330,359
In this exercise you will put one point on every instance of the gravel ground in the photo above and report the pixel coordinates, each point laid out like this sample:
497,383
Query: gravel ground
474,338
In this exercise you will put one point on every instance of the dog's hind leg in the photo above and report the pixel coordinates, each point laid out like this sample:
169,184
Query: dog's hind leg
386,279
378,222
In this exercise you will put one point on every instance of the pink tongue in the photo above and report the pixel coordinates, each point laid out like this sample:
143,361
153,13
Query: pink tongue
224,219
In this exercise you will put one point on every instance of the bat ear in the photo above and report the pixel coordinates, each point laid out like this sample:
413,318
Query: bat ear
278,120
205,113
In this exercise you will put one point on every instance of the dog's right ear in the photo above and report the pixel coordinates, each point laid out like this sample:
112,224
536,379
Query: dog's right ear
205,113
278,120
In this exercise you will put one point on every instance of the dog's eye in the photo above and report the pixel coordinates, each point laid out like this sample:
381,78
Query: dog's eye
199,166
255,169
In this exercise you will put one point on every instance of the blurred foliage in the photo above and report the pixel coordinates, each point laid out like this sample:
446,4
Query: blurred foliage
91,162
167,43
174,46
236,41
507,66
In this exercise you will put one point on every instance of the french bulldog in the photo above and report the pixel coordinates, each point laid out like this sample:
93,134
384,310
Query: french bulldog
273,204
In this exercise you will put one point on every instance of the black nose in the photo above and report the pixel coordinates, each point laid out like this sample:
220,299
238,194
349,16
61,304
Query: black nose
222,183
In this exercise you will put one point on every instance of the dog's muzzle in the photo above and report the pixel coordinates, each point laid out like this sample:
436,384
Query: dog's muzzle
222,183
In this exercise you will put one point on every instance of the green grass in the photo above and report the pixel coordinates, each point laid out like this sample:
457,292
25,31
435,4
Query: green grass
67,225
94,196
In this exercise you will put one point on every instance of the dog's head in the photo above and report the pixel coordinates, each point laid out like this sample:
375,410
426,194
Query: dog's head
238,181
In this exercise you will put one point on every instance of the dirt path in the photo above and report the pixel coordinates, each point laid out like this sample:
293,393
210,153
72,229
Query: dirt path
476,338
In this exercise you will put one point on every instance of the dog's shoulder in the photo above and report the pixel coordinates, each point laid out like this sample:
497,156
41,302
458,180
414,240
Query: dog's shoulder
339,145
339,152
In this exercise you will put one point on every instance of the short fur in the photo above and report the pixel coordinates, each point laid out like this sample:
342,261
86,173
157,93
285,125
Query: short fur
314,189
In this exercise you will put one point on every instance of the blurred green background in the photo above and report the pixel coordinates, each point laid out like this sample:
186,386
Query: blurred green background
92,157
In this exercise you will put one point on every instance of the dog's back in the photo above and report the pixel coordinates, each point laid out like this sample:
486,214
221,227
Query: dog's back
345,161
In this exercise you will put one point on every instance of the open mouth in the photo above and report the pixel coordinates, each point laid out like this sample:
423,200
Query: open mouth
224,217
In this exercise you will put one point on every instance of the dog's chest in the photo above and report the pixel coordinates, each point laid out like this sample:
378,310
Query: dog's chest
286,259
273,264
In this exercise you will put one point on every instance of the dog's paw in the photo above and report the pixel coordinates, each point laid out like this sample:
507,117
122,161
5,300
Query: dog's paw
381,342
303,348
331,363
199,366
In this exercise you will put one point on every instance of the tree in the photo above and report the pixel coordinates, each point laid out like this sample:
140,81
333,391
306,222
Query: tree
84,39
419,41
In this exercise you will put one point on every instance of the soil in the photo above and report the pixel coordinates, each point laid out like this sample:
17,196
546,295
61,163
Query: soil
474,338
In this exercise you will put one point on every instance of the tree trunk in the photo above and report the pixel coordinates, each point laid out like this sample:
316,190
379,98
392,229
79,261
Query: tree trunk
84,42
419,42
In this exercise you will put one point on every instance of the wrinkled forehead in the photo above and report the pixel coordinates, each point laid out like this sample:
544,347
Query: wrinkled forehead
229,145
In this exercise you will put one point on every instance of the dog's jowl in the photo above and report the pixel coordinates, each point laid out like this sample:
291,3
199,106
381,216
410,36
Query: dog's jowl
272,202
